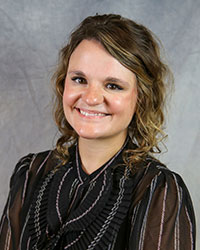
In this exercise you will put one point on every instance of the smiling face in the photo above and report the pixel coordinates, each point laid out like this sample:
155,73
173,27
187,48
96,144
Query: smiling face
100,94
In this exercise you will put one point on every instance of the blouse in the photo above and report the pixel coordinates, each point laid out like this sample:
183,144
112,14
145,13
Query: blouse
53,206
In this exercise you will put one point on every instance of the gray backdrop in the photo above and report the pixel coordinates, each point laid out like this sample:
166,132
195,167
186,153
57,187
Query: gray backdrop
32,32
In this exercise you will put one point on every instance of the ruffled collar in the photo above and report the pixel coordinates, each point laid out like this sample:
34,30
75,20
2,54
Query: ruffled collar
73,210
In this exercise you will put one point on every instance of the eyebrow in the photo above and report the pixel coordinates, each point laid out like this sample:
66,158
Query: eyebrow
76,72
108,79
116,80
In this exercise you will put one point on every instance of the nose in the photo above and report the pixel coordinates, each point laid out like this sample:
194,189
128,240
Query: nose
93,95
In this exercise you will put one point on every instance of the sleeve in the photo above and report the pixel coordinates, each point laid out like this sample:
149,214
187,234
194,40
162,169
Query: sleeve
10,225
163,219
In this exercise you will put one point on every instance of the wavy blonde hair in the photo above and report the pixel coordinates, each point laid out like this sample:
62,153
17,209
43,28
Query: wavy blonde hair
136,48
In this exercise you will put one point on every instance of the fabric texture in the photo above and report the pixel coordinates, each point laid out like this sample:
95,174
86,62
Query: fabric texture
51,207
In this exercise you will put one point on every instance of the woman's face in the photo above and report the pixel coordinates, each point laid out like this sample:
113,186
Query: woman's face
100,94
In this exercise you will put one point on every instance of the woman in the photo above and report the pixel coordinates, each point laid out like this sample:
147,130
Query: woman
101,188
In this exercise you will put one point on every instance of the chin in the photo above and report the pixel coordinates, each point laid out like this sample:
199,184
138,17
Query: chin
89,136
88,133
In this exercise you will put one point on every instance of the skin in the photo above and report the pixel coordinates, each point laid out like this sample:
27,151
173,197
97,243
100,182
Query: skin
99,102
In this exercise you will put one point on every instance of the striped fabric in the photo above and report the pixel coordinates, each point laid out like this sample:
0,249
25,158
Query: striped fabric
64,208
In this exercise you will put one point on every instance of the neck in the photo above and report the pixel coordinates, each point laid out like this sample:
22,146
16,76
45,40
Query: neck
95,153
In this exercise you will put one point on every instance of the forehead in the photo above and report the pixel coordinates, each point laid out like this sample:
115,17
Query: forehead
88,50
92,58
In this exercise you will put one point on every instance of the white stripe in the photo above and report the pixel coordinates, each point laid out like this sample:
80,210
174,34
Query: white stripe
32,157
28,243
27,173
26,180
177,230
2,222
43,162
135,211
24,188
191,231
162,217
153,186
58,194
9,227
23,229
7,245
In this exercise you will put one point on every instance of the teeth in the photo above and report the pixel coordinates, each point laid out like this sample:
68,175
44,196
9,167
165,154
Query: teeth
91,114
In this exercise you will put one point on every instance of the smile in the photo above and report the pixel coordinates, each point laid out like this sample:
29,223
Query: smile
91,113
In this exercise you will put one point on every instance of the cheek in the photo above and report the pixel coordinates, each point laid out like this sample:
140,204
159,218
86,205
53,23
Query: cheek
125,104
69,97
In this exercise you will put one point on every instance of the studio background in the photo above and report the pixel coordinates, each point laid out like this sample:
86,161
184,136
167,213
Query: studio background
31,34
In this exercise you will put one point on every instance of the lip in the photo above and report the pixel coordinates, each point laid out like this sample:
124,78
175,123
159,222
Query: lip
91,113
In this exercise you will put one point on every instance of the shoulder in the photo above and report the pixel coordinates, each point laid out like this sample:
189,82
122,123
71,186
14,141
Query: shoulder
152,175
161,173
151,170
30,163
29,171
156,179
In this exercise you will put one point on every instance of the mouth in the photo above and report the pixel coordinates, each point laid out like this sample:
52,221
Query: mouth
91,113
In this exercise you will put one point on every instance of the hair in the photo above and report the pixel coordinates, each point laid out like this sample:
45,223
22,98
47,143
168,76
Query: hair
136,48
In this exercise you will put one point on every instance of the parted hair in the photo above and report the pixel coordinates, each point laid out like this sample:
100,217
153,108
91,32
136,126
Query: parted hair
136,48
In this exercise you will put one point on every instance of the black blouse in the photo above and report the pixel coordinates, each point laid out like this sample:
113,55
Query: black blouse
51,207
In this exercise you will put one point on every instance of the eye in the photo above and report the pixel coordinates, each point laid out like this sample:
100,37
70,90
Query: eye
113,86
79,80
